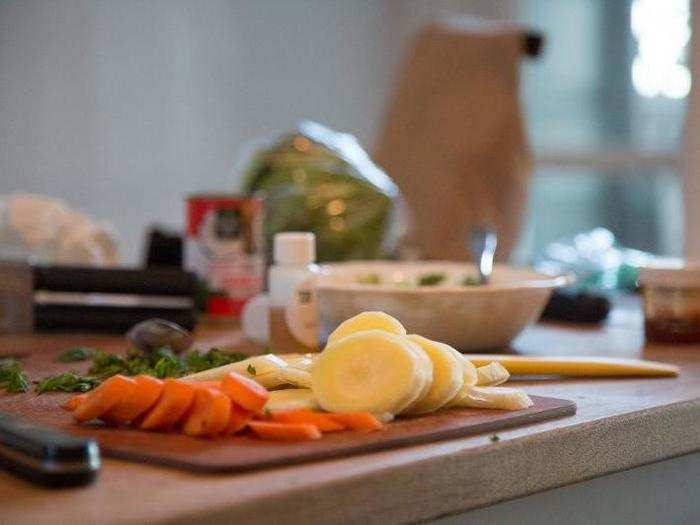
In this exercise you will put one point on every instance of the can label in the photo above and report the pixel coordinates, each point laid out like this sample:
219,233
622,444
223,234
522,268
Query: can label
223,246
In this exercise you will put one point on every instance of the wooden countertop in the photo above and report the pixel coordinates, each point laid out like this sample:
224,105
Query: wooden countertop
620,424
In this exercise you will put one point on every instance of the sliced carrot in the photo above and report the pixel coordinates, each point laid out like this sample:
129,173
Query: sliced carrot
75,401
285,431
363,421
206,384
238,419
320,419
106,396
174,401
143,397
209,414
245,392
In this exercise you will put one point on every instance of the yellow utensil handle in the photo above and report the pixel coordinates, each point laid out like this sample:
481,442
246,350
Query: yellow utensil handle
576,366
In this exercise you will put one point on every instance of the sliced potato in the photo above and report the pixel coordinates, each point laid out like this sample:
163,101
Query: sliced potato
369,371
292,399
448,376
296,377
367,321
265,369
492,374
498,397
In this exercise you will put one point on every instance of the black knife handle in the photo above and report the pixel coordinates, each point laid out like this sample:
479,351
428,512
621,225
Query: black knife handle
45,456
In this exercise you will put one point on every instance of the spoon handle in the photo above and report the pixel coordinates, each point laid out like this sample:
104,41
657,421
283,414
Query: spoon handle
482,244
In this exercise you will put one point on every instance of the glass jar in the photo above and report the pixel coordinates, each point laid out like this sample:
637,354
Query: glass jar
671,291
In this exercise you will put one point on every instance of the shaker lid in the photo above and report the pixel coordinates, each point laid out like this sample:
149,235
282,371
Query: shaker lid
294,248
671,272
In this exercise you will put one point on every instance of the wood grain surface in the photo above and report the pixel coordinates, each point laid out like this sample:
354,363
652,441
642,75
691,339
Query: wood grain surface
619,424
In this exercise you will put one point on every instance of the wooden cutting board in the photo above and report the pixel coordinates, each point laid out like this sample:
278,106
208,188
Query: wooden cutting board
240,453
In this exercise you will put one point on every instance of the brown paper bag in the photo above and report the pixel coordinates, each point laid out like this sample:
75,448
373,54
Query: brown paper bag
454,140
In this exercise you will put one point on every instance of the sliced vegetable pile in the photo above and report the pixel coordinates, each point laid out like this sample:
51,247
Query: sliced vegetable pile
372,365
206,409
370,371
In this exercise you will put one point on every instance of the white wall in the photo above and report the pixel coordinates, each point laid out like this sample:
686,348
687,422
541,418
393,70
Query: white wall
124,107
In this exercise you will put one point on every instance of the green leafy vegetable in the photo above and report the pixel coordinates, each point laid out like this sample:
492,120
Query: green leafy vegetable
79,353
470,280
67,382
251,370
12,377
494,438
196,361
168,366
160,363
431,279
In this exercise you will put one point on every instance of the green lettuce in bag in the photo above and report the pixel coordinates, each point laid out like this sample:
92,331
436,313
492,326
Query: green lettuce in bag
322,181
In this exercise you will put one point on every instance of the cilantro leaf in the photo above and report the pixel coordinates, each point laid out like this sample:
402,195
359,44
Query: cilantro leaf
79,353
12,377
66,382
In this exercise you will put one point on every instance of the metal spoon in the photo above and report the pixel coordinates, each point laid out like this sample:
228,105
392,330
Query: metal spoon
482,245
155,333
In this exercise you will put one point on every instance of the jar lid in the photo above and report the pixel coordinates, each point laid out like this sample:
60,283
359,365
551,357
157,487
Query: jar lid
674,273
294,248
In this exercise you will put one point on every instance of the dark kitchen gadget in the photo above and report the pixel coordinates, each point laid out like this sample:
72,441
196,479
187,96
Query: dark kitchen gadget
576,307
152,334
96,299
45,456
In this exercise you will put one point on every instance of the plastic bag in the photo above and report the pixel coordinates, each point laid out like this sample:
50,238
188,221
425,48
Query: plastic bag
596,260
322,181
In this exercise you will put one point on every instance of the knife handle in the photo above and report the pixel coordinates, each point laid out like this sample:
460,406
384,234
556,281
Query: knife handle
45,456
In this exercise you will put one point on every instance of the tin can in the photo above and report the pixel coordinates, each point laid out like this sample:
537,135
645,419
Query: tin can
224,247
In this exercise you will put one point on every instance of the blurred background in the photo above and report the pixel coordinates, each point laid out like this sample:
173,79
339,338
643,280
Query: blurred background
123,108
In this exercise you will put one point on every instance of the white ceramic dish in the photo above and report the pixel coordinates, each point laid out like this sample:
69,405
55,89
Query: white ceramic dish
466,317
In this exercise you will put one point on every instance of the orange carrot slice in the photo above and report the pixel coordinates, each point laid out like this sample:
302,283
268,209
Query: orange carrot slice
104,398
245,392
362,421
285,431
238,419
176,398
209,414
75,401
206,384
143,397
321,420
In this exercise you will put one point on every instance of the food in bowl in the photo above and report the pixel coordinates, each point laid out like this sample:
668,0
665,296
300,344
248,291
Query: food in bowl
441,300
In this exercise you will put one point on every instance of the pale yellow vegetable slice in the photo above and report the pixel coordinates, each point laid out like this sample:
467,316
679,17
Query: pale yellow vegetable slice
292,399
264,369
296,377
369,371
366,321
492,374
468,369
448,376
498,397
426,366
298,361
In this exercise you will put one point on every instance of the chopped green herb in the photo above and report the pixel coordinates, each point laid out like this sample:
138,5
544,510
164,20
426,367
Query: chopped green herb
370,278
251,370
494,438
79,353
431,279
160,363
470,280
12,377
67,382
196,361
168,366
